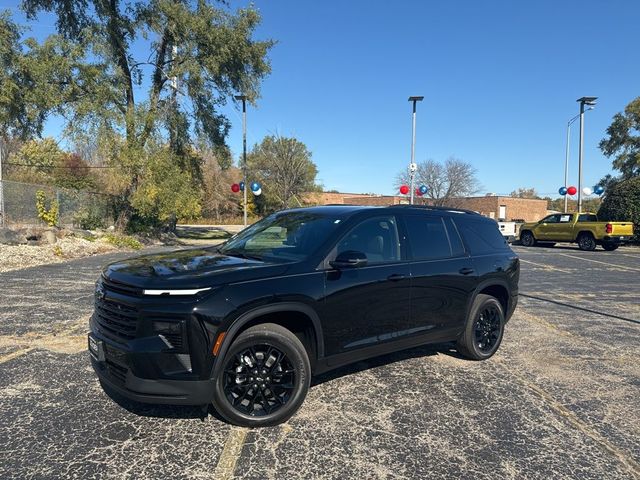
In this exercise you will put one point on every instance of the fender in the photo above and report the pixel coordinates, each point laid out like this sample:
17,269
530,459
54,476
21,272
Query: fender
489,282
246,317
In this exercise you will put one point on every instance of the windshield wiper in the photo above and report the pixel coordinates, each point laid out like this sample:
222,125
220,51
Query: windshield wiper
241,254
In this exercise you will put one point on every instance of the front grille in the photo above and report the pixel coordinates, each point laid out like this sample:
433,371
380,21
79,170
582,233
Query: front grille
116,320
118,372
121,288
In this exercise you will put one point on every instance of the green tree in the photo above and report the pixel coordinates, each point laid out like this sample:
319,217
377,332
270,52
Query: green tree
284,167
622,203
623,141
196,57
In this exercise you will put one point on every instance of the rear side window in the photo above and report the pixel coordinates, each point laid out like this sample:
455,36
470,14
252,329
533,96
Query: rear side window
428,237
587,217
481,236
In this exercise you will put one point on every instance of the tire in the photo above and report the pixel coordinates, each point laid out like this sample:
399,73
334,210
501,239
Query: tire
280,386
586,242
484,329
527,239
610,247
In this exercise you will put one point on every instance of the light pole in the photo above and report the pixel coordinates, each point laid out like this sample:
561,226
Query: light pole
244,153
566,157
589,101
412,165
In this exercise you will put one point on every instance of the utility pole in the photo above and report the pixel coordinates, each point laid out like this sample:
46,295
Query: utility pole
589,101
244,154
412,165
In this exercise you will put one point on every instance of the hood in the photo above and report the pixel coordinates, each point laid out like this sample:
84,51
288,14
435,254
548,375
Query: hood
193,268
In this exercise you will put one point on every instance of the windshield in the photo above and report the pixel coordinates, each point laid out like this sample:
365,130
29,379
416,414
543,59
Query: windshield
289,236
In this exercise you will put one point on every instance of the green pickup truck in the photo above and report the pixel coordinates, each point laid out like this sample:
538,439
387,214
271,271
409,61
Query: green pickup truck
583,228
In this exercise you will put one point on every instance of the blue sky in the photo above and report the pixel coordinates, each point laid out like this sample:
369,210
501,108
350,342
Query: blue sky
500,80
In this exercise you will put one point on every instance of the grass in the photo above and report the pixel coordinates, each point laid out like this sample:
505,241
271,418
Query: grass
122,241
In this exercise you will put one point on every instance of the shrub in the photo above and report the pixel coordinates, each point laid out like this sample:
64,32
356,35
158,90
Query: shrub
122,241
89,218
47,215
623,203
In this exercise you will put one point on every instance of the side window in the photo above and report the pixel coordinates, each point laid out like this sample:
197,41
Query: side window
588,217
428,237
481,236
457,248
376,237
552,219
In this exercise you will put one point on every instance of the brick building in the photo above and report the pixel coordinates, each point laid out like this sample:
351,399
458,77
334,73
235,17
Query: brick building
493,206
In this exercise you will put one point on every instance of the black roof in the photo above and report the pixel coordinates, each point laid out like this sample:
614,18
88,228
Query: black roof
347,210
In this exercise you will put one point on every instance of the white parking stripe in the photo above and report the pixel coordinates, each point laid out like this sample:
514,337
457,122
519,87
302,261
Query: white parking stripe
603,263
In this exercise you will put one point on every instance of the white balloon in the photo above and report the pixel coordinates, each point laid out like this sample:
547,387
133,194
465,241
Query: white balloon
258,192
587,190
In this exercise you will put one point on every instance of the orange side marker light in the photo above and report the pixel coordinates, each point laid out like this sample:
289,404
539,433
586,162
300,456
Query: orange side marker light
216,346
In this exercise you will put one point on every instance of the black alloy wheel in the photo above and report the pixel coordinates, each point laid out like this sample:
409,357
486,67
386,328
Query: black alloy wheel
259,380
488,328
264,378
484,329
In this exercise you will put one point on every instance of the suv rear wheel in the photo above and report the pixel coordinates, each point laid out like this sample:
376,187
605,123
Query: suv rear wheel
265,378
485,327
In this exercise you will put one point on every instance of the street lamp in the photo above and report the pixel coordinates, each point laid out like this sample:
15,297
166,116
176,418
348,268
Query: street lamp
243,98
590,102
412,165
566,157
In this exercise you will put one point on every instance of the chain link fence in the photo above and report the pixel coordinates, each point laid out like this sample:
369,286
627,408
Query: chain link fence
81,209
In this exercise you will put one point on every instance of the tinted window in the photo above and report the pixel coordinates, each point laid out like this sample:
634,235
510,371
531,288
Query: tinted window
551,219
376,237
587,217
457,248
481,236
428,237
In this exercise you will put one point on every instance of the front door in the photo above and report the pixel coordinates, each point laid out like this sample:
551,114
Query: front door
367,305
543,232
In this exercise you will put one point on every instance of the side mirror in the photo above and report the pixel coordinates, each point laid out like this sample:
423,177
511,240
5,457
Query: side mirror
349,259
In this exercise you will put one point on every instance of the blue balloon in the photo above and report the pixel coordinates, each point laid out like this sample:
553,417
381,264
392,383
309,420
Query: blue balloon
562,191
241,186
423,189
255,186
598,189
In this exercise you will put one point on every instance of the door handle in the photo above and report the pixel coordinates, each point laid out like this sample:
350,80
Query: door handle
466,271
395,277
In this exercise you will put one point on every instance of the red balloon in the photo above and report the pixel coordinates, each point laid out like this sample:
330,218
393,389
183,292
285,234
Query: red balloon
235,188
404,189
418,192
572,190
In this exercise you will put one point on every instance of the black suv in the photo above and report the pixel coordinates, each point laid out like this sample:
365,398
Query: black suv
245,325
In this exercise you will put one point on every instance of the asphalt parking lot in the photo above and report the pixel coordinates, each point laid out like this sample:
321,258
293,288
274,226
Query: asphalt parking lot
561,399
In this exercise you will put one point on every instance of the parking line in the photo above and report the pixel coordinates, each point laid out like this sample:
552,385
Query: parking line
230,453
598,261
544,265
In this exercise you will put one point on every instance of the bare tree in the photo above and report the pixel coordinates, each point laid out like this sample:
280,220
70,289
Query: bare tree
445,182
524,193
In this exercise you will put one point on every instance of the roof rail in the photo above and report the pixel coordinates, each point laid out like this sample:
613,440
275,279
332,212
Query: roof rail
442,209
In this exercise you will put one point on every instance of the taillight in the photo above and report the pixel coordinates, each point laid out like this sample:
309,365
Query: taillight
609,228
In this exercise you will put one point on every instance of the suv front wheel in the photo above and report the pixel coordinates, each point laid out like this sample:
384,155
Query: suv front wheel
484,329
265,378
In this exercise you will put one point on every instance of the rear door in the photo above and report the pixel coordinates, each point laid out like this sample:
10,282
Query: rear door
442,275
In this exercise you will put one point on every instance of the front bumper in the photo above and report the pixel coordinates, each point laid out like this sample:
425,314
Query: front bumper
112,366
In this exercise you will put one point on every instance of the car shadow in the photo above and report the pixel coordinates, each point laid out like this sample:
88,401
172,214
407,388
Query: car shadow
202,412
388,359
